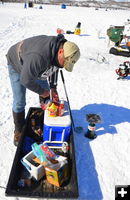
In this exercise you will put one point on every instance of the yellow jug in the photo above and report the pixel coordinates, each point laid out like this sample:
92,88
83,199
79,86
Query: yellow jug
52,110
77,29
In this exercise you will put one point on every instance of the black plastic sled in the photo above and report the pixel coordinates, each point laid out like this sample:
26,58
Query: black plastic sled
41,188
116,52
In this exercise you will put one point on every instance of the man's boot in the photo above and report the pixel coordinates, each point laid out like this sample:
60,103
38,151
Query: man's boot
19,121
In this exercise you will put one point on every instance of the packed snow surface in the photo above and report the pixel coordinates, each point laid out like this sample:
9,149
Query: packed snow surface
92,87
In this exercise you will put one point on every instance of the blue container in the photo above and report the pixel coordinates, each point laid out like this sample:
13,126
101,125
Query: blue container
27,144
57,128
63,6
40,7
57,133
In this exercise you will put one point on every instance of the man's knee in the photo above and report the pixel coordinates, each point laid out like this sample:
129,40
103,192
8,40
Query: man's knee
17,107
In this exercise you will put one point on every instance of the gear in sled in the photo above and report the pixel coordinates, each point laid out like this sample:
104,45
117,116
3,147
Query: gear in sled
124,70
120,36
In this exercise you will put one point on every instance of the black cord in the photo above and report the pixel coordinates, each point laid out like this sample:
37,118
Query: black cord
2,187
62,77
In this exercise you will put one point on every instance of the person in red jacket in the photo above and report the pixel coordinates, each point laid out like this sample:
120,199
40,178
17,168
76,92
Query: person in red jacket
34,64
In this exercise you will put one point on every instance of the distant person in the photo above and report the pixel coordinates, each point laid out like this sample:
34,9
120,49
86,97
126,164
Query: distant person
34,64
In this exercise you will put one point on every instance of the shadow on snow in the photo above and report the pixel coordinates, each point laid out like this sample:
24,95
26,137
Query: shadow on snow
88,184
110,116
89,187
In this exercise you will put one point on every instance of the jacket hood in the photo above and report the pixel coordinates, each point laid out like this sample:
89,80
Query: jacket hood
55,46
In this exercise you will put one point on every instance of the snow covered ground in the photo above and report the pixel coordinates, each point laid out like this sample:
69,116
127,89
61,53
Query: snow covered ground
92,87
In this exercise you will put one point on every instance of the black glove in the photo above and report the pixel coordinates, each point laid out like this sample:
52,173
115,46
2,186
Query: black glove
45,94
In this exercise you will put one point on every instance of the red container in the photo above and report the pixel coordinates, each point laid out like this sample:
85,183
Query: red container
59,31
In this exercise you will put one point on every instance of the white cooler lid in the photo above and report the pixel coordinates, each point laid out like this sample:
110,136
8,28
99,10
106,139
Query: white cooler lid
63,121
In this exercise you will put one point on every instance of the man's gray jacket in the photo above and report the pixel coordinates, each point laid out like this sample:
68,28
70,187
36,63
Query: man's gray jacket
36,58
